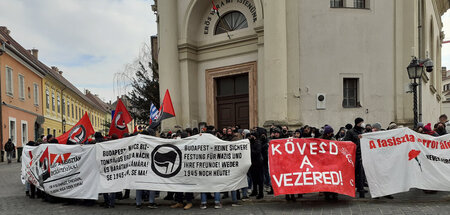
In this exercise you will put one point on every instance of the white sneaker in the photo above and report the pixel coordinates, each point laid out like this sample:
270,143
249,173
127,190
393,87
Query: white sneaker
218,206
203,206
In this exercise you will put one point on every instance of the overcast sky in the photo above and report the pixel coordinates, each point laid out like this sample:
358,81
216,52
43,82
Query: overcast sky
89,40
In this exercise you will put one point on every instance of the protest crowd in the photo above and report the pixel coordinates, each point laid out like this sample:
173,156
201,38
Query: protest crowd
258,177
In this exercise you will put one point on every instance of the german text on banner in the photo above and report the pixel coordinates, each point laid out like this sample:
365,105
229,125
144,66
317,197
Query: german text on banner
62,170
397,160
312,165
201,163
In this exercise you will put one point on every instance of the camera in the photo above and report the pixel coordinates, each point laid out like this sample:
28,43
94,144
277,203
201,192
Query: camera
428,63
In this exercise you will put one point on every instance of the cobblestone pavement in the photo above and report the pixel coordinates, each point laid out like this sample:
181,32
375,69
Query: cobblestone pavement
14,201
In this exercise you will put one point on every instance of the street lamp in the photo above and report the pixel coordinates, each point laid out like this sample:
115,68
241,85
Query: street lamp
415,70
64,125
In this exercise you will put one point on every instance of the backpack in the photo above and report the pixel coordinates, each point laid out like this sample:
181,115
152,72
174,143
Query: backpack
9,146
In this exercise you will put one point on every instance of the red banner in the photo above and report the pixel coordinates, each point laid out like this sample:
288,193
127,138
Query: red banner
312,165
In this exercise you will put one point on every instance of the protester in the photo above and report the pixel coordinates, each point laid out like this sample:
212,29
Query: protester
340,134
440,129
9,148
443,119
419,128
217,204
256,169
354,135
376,127
328,135
427,130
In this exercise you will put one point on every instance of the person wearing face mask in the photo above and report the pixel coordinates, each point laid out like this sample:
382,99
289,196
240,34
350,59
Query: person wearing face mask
340,134
440,129
354,135
368,128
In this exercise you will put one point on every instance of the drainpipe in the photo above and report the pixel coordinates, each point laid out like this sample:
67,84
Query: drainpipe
62,115
2,51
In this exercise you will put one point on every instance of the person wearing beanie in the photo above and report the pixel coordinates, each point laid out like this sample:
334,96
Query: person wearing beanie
328,135
376,127
427,130
419,128
348,126
392,125
354,135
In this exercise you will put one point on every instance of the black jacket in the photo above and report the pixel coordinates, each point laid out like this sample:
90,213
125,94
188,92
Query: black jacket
352,135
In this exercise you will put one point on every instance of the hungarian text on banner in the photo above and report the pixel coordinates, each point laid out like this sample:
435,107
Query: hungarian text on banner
312,165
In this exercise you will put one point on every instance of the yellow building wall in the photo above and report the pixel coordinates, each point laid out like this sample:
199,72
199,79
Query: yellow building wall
72,114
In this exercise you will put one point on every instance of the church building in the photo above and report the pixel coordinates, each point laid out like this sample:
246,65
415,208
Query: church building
296,62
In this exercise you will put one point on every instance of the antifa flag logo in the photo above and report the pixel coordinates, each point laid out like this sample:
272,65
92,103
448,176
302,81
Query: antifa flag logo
78,134
44,166
166,160
120,123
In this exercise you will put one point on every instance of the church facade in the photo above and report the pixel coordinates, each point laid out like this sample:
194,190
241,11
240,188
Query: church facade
296,62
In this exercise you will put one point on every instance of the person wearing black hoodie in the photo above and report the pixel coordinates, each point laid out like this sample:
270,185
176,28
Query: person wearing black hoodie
354,135
256,169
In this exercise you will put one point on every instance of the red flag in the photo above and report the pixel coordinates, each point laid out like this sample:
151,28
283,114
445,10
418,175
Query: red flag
214,6
78,133
165,111
120,120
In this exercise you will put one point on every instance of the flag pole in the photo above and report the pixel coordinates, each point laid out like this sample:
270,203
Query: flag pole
218,15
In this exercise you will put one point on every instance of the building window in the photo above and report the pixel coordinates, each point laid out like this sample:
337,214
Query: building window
336,3
72,110
231,22
76,112
47,98
53,101
350,93
59,104
54,132
36,94
360,3
12,130
48,131
9,82
21,87
63,106
24,132
68,108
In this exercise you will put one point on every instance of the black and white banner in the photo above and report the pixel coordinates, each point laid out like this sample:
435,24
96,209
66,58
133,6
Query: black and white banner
201,163
62,170
397,160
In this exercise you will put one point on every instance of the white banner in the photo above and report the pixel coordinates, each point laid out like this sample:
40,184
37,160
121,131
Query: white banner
397,160
62,170
201,163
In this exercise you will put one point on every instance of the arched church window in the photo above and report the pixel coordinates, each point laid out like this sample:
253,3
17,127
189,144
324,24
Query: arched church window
231,21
